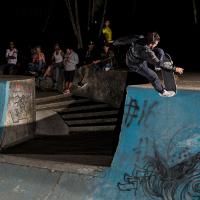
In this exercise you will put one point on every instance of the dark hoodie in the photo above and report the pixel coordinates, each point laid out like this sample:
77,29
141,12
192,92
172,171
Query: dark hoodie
140,52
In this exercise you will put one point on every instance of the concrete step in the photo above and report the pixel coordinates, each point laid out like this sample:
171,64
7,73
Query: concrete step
50,98
91,114
60,104
91,128
37,159
90,121
82,108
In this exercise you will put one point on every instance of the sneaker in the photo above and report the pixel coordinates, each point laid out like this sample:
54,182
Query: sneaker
107,69
81,85
167,93
67,92
31,72
157,69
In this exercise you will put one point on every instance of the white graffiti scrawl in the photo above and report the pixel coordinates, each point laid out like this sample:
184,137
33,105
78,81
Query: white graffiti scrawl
19,104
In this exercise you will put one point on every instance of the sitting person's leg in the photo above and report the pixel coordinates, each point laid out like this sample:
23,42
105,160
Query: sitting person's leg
2,68
48,71
12,69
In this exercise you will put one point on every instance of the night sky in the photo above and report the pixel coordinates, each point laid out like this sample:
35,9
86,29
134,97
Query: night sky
25,23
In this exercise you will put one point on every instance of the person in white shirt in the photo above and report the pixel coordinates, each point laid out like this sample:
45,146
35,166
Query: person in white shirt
57,64
11,57
71,59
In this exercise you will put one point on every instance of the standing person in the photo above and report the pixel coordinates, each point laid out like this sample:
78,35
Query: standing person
107,32
56,66
70,61
11,57
141,53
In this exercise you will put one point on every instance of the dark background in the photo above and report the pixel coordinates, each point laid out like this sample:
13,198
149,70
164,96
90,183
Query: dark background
25,22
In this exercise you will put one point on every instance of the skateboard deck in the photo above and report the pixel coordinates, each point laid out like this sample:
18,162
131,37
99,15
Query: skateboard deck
169,80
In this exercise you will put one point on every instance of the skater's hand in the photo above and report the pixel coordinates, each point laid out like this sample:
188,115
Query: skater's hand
179,70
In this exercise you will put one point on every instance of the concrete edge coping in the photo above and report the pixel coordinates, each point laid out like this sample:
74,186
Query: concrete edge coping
73,168
179,87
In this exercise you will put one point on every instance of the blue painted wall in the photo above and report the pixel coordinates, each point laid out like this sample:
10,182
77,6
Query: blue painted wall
158,156
4,90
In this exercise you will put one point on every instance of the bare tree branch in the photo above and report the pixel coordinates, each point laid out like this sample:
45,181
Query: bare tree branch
72,18
103,17
92,13
80,43
195,11
89,14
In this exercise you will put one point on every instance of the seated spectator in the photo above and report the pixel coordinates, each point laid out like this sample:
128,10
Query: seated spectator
38,61
91,59
11,57
70,61
107,58
56,66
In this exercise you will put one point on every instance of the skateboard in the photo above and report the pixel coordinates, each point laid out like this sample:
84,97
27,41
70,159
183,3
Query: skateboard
169,80
168,75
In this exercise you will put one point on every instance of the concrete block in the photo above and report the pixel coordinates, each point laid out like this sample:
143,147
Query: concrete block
17,109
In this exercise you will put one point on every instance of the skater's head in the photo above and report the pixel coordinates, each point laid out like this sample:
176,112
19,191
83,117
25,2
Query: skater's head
153,39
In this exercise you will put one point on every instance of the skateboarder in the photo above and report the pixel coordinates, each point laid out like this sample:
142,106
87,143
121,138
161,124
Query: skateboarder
141,53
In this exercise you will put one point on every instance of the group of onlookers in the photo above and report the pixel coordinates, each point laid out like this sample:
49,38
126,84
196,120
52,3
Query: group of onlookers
64,62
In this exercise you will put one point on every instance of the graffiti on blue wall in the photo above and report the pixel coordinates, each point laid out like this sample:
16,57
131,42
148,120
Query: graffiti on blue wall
166,157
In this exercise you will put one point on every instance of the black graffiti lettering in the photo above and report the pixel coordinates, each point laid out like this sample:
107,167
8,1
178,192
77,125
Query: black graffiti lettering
147,111
158,180
132,113
133,182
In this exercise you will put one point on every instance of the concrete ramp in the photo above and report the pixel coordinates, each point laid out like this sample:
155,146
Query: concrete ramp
157,157
158,152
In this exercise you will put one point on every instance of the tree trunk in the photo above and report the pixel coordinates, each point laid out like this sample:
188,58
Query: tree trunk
89,14
71,16
195,11
103,17
80,43
92,13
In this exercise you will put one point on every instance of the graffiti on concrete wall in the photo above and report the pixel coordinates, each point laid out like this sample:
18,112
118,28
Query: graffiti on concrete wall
19,104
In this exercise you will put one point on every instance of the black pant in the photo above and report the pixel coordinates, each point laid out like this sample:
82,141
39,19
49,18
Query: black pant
148,73
8,69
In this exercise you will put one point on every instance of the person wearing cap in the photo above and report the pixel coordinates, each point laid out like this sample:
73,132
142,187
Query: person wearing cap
107,58
92,57
141,53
